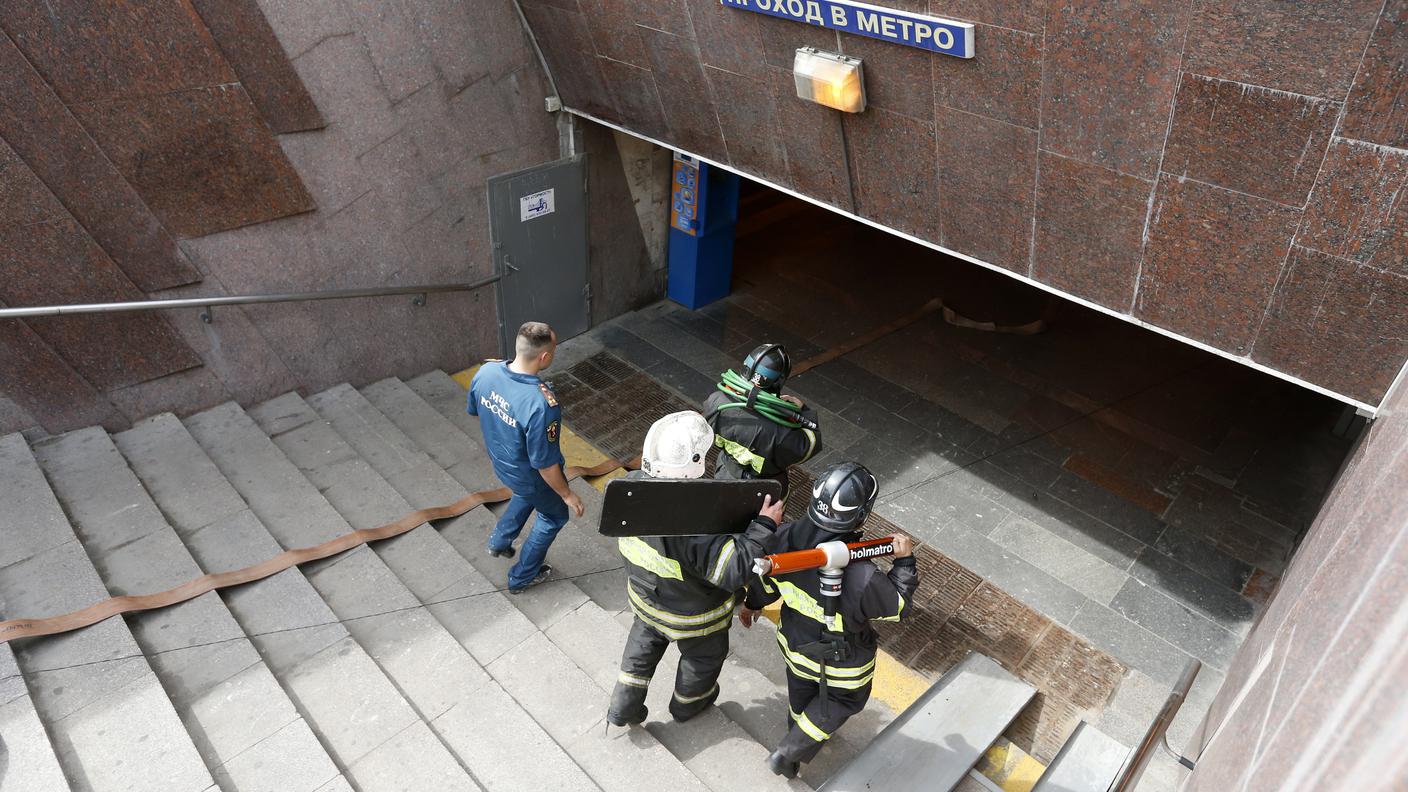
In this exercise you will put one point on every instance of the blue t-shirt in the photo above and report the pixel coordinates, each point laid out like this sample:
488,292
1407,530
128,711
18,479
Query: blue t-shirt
521,422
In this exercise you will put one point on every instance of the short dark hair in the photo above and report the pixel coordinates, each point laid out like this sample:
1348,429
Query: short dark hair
533,339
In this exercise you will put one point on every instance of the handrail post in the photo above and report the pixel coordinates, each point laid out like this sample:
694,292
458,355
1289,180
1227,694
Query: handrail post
1157,735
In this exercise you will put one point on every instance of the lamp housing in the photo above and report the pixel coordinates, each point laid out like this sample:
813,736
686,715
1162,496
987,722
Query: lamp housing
829,79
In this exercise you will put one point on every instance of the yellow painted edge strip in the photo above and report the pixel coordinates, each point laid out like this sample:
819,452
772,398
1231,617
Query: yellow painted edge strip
576,449
464,378
1009,767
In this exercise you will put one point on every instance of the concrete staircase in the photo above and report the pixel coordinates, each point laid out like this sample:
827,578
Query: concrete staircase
400,666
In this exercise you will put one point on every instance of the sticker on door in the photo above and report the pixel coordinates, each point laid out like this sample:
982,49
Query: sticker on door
535,205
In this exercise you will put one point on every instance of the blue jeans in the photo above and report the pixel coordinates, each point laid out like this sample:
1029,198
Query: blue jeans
552,515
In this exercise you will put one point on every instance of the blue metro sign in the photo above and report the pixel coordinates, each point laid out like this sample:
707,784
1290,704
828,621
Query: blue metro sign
944,36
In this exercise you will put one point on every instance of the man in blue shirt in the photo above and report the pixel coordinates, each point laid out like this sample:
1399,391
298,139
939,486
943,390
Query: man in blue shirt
521,422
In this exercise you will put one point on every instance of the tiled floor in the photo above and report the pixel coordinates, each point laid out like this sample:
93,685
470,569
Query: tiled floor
1140,492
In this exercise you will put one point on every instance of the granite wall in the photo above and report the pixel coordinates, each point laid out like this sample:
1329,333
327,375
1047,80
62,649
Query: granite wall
1314,698
193,147
1230,170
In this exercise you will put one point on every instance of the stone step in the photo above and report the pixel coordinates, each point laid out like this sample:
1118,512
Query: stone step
582,630
935,742
1088,762
243,723
288,623
576,552
441,392
426,567
594,560
365,671
415,590
613,764
717,749
112,726
28,758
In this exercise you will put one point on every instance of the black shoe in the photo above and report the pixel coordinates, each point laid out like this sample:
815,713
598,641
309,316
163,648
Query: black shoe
507,552
543,574
616,720
780,766
696,707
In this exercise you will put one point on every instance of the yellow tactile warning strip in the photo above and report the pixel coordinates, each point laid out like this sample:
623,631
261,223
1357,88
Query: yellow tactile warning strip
1009,767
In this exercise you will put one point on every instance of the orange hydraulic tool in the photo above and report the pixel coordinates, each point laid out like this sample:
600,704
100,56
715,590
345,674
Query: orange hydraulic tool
827,556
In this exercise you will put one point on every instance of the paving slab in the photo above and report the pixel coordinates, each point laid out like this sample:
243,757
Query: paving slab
1190,588
1006,570
111,723
1062,560
1176,623
1131,643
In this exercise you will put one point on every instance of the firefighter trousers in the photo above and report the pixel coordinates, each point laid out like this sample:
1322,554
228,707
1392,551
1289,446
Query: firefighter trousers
696,680
811,722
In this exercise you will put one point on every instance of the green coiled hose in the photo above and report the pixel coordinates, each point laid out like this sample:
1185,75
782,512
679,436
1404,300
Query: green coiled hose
770,406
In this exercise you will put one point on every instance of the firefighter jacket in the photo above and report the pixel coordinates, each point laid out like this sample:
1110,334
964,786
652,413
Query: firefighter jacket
687,586
867,595
754,446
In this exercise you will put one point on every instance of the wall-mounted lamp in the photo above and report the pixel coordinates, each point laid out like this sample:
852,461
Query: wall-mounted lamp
829,79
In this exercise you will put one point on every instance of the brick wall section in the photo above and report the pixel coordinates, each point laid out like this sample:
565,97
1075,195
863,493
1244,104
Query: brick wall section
1230,171
1314,698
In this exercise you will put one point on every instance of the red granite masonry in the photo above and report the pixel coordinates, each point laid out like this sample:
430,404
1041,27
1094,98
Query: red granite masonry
52,142
1333,315
1212,260
1264,143
1358,209
248,43
1378,105
202,158
1089,229
1239,97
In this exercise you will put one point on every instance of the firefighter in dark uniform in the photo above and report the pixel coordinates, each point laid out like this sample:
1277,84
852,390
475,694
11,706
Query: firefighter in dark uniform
682,588
759,431
841,498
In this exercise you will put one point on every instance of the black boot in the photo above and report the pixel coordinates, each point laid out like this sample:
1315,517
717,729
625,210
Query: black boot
636,718
683,712
780,765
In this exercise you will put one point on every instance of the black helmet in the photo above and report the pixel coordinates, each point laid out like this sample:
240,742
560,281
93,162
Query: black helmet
767,366
842,497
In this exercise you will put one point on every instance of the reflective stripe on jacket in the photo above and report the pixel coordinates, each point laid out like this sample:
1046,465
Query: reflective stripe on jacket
687,586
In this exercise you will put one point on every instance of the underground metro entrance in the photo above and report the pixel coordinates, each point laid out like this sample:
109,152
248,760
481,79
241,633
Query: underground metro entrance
1196,475
1137,491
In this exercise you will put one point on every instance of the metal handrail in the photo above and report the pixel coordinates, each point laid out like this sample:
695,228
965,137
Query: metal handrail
243,299
1157,735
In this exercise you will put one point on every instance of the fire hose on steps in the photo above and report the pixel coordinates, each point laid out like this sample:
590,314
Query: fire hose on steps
30,628
831,560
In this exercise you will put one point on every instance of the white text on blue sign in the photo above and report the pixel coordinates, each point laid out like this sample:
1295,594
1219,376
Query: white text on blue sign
944,36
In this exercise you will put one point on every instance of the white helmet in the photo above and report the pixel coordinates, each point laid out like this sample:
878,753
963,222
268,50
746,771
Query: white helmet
676,445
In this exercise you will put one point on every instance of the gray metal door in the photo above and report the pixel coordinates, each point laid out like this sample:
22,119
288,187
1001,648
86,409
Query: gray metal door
538,223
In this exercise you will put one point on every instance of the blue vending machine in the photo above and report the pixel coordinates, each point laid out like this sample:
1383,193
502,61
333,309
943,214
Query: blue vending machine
703,212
